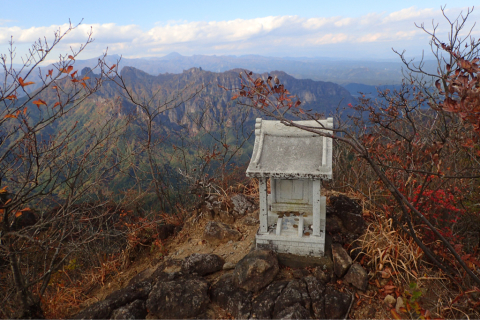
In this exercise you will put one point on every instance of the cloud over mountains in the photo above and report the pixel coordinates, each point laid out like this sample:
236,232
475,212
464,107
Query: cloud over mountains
372,35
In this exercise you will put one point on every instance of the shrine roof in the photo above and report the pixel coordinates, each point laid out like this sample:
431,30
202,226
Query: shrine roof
287,152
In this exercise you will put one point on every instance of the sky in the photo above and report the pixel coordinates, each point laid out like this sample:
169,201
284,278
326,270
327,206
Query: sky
302,28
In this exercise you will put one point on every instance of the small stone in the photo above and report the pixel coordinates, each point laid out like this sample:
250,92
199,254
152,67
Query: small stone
357,276
389,300
399,304
229,266
341,260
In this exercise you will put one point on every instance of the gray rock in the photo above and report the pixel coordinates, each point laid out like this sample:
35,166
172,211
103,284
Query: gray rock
134,310
295,292
234,300
218,232
334,225
241,205
316,291
336,303
178,299
263,304
202,264
117,299
342,203
357,276
350,212
256,270
324,276
353,222
297,311
341,260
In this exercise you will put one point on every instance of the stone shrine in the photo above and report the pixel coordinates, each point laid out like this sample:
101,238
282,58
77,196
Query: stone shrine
293,215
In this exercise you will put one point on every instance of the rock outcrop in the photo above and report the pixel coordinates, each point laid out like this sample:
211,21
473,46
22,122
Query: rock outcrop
256,270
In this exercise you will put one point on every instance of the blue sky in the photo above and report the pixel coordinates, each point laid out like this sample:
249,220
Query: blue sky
350,29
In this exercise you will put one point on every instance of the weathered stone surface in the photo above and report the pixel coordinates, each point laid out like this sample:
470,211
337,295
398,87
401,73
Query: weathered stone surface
295,292
202,264
134,310
357,276
324,276
354,222
141,276
341,260
218,232
350,212
241,205
334,225
178,299
296,261
300,273
342,203
98,310
250,221
316,291
336,303
297,311
256,270
117,299
231,298
262,306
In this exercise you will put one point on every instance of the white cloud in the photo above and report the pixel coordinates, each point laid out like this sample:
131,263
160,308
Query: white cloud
275,35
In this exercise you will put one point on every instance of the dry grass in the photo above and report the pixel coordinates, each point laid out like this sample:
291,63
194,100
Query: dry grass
390,253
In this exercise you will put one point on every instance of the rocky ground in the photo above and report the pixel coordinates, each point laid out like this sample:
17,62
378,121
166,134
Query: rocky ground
212,270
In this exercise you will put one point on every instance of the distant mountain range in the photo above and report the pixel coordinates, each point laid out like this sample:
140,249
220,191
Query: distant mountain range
339,71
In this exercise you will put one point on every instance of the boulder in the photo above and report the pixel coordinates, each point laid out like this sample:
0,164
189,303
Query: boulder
357,276
134,310
342,204
218,232
263,304
232,299
295,292
354,222
178,299
297,311
202,264
336,303
256,270
117,299
350,212
316,291
341,260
